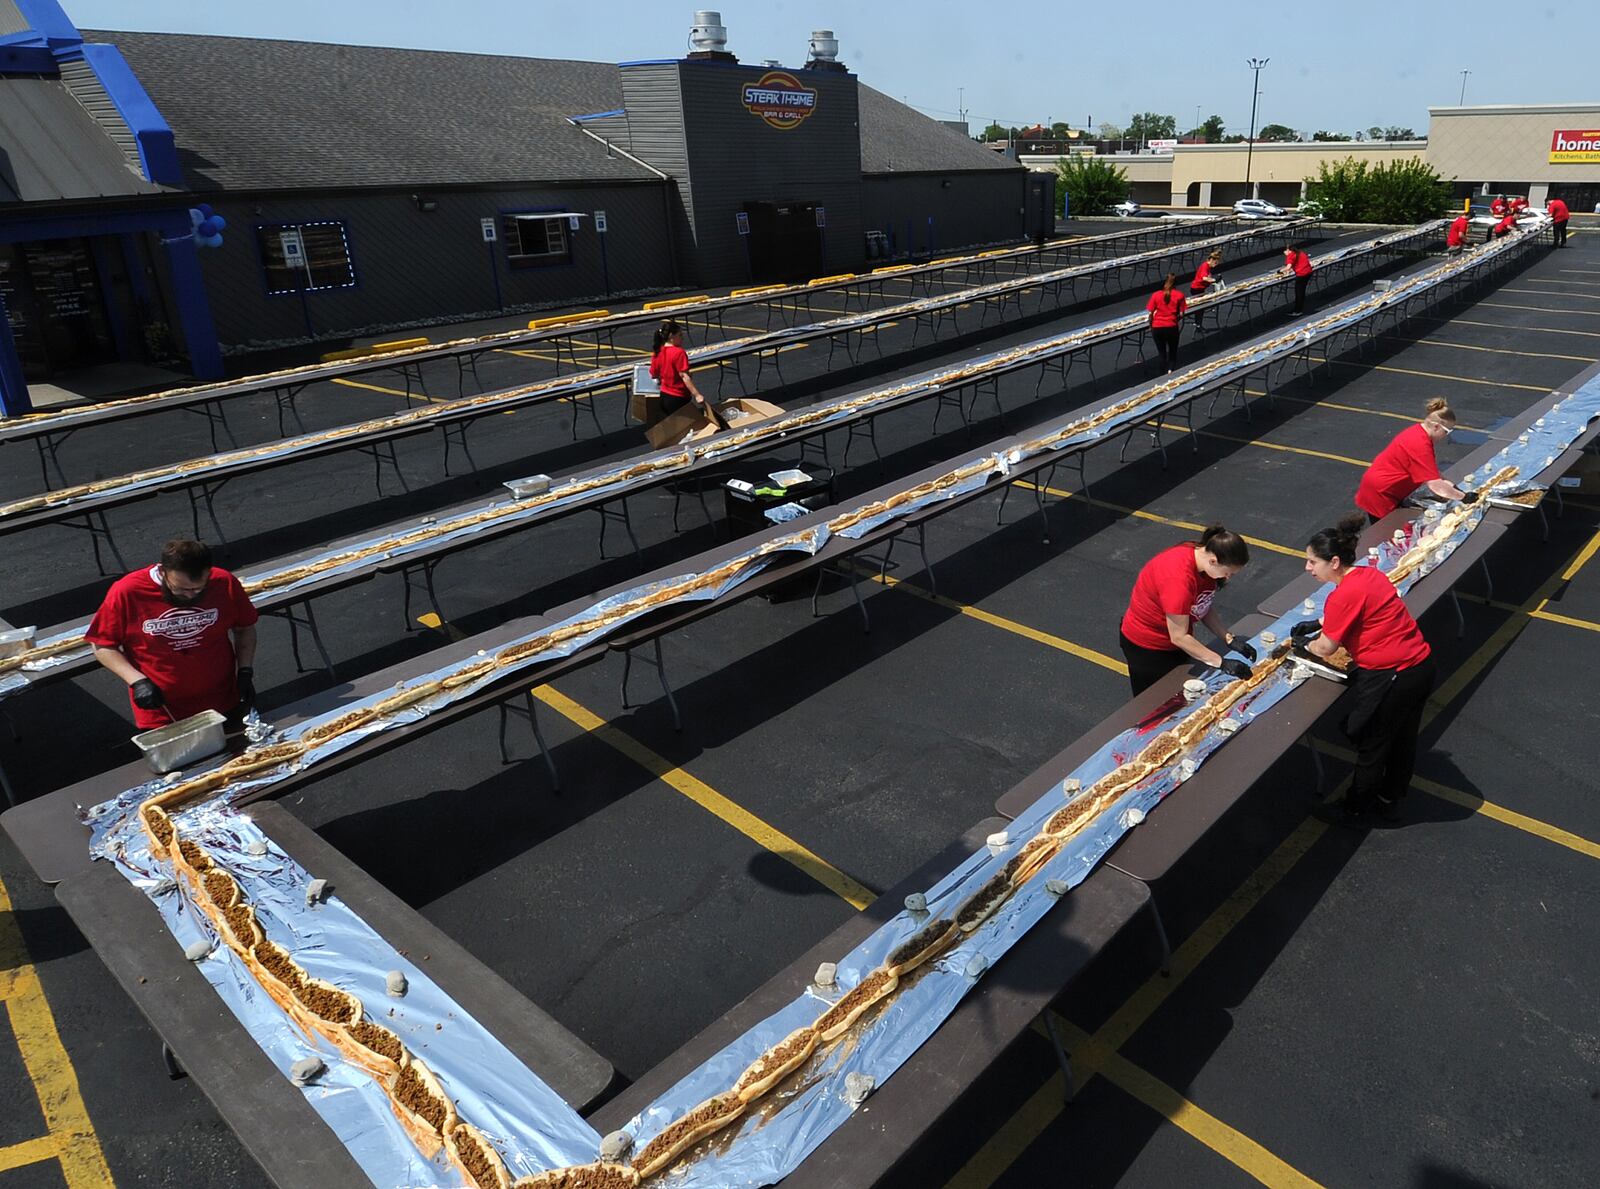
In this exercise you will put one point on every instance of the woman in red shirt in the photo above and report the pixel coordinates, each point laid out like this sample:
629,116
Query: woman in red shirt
1206,275
1298,264
669,367
1408,463
1394,672
1166,308
1174,589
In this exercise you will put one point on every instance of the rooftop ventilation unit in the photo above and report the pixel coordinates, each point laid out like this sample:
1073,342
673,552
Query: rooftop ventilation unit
708,35
824,46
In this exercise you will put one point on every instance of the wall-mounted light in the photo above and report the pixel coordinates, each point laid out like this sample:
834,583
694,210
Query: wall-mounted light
944,184
424,204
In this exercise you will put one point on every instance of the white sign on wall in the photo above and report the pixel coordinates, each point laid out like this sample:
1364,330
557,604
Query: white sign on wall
600,221
294,248
490,234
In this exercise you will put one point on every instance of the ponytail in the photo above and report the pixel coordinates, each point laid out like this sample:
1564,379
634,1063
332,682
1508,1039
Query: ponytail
1339,541
1172,279
664,332
1226,546
1438,409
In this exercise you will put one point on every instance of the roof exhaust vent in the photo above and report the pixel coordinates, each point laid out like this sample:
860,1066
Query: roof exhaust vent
708,35
824,46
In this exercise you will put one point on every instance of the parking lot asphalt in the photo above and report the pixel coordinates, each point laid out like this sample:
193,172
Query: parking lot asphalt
1414,1006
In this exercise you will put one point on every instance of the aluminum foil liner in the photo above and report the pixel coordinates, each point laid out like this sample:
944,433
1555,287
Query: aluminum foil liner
533,1128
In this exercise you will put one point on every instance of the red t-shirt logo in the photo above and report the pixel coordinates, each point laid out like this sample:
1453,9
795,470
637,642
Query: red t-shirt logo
181,627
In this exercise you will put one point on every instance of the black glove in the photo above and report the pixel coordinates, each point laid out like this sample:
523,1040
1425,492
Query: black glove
1235,669
1472,497
1297,647
1305,630
246,682
1244,648
147,695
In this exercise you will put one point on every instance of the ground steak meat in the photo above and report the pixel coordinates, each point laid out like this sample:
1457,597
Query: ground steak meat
917,942
324,1003
193,855
276,961
158,823
474,1159
775,1059
219,885
983,901
712,1108
411,1093
866,990
380,1040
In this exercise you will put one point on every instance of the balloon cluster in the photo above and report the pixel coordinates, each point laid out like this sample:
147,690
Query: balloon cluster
207,225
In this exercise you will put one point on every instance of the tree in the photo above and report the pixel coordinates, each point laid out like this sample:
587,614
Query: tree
1394,132
1147,125
1348,191
1327,136
1213,130
1374,133
995,132
1091,185
1060,130
1277,132
1110,132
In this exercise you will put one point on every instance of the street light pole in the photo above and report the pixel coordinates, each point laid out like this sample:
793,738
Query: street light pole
1463,98
1254,64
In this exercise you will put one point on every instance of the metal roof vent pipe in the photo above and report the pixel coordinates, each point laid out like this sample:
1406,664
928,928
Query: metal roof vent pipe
823,51
708,37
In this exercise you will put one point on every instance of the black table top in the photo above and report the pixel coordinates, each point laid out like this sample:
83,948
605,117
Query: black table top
866,1149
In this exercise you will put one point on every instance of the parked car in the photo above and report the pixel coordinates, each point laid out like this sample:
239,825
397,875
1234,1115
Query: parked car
1258,208
1126,208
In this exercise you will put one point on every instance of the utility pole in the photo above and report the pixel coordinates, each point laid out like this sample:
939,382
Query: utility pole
1254,64
1462,101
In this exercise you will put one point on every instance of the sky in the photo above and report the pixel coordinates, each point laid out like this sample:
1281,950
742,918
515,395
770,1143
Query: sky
1335,66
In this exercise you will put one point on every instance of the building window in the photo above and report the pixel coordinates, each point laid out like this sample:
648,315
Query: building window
536,239
325,252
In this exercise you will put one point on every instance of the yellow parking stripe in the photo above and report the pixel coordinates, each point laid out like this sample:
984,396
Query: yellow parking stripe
83,1164
1228,1142
386,391
1547,293
764,835
1266,445
1588,334
29,1151
1141,514
1009,625
1430,342
1406,371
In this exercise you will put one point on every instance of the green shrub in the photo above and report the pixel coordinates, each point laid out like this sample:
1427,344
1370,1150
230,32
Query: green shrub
1405,191
1092,186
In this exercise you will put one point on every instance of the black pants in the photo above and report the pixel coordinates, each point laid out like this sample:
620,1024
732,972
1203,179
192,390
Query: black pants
671,404
1386,745
1146,666
1300,284
1560,230
1166,338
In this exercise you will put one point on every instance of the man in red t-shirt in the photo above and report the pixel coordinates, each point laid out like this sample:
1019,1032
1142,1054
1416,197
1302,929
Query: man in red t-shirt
1456,238
1394,671
1407,463
1559,214
1298,264
181,635
1498,207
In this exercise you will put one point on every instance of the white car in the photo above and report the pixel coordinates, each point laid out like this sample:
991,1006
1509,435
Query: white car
1126,208
1258,208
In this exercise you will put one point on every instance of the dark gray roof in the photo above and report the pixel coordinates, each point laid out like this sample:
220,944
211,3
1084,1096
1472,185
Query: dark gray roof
896,138
254,114
51,149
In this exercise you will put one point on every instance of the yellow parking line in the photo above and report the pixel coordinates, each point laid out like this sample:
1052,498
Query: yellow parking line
1014,1137
1503,305
1406,371
83,1164
767,836
387,391
1228,1142
1141,514
1009,625
1266,445
1547,293
29,1151
1549,616
1493,350
1588,334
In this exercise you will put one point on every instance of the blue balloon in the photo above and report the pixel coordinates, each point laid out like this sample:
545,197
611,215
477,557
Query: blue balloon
219,221
208,226
205,210
195,217
212,241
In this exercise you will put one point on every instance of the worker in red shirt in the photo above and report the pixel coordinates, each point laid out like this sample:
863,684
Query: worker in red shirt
1499,206
1297,264
1166,307
1408,462
181,635
1175,588
1519,203
669,367
1206,275
1394,672
1455,239
1507,223
1559,214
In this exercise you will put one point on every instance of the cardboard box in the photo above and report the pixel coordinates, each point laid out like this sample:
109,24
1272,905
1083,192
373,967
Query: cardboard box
691,422
645,407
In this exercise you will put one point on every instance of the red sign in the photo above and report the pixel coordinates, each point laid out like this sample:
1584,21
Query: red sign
1573,146
780,99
